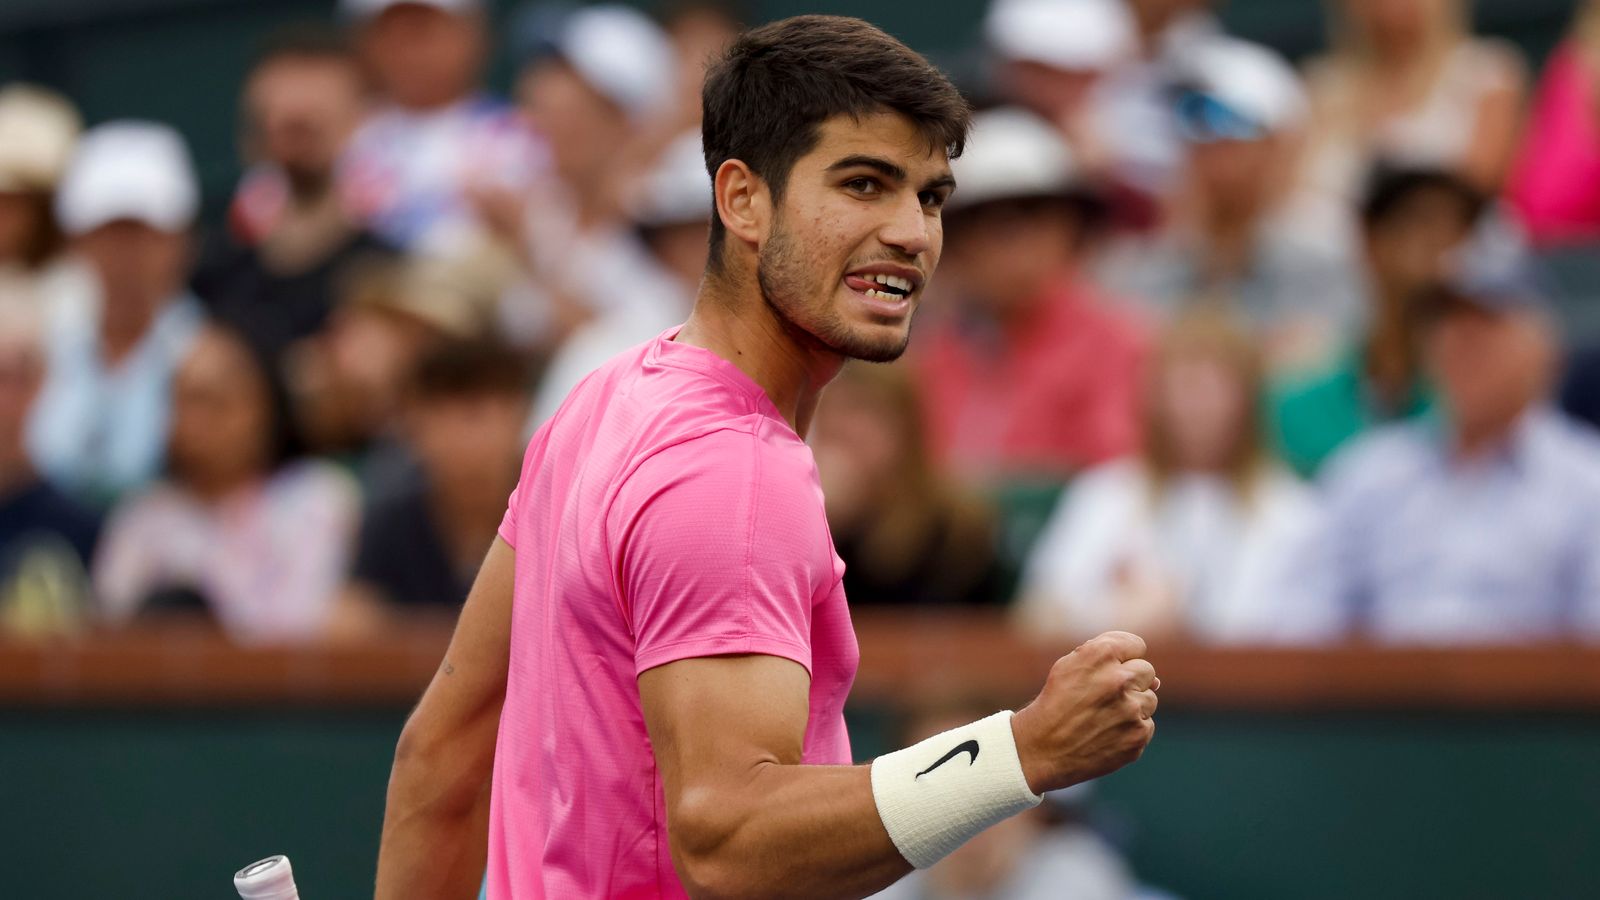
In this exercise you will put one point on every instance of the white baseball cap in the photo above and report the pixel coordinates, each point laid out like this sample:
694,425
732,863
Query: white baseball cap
677,190
1012,154
1245,90
366,9
1077,35
37,130
622,54
129,170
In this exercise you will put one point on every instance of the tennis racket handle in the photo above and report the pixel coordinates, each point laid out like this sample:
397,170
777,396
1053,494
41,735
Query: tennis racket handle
268,879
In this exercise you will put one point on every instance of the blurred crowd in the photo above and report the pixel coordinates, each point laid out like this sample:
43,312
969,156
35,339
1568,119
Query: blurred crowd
1221,348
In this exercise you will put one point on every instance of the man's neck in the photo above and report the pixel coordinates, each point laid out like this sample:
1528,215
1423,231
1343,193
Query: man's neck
733,320
122,331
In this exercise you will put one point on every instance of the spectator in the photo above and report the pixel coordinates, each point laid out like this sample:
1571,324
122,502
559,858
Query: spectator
672,218
1555,184
1408,84
1043,854
127,202
435,137
258,537
347,382
1051,57
424,534
1033,372
37,131
45,537
908,535
594,91
1409,220
1229,241
1199,536
1483,525
290,236
1134,104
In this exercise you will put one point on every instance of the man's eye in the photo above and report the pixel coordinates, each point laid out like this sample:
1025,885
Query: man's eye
862,185
932,199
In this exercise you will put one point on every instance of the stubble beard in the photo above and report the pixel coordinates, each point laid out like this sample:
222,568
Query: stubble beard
807,311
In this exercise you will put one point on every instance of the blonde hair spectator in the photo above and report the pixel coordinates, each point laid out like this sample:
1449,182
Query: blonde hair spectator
1197,537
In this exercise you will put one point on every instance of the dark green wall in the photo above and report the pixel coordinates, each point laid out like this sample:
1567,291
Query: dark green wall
169,805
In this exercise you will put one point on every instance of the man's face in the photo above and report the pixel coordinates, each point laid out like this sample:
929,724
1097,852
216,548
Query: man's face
136,260
1407,250
856,236
423,57
302,111
1490,367
585,131
1233,174
1006,253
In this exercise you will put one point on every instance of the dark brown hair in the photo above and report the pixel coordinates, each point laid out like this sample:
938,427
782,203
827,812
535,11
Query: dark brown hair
765,99
469,368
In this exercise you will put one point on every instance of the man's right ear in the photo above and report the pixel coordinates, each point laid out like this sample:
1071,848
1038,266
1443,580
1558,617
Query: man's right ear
743,202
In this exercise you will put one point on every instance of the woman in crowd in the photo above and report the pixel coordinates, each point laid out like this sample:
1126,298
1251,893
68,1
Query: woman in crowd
238,526
1555,186
1196,536
1407,83
37,132
906,534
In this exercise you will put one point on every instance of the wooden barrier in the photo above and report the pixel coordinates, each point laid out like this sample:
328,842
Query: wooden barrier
905,658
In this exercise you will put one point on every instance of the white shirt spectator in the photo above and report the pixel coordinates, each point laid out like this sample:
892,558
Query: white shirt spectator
269,560
1230,564
409,173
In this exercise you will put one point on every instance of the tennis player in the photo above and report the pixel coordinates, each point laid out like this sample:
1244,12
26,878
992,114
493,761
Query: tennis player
654,660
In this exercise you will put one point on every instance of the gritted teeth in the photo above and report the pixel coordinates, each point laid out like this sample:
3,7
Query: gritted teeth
894,286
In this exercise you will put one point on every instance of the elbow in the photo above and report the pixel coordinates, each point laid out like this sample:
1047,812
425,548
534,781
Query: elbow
702,834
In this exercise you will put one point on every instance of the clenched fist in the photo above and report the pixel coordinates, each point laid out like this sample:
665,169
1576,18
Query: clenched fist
1094,715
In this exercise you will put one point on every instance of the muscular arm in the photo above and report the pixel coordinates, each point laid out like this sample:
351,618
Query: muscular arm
435,829
744,817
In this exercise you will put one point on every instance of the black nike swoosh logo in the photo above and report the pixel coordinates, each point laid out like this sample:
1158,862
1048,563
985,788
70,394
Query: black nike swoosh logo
968,747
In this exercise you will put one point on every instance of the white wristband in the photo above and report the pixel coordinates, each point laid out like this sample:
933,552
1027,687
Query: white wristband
934,796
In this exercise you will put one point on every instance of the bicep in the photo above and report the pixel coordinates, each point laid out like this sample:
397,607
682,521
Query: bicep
715,720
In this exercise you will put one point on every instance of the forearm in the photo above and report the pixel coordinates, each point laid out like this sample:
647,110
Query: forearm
788,831
431,844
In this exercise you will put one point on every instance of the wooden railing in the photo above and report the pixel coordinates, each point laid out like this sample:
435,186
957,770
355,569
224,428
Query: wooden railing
905,659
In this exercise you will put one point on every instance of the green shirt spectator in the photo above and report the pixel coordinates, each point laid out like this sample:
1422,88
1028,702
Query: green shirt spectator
1315,413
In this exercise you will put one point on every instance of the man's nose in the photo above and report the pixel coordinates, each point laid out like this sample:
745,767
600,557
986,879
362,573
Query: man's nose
910,229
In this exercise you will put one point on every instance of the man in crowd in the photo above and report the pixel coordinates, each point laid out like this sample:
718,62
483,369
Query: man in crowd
291,236
670,218
46,538
127,203
1033,372
435,136
1410,220
423,534
1227,240
1481,524
590,88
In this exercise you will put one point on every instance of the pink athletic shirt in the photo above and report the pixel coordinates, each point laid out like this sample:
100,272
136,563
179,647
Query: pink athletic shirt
667,511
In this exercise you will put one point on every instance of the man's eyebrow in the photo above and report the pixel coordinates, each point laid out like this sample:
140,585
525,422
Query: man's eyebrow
943,181
877,163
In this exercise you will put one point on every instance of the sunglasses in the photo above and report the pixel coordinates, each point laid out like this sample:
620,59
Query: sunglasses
1203,119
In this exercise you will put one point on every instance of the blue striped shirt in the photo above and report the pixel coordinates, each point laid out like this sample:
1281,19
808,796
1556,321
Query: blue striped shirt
1422,547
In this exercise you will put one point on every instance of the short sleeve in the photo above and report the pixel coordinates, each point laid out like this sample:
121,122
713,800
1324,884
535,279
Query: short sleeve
720,546
530,465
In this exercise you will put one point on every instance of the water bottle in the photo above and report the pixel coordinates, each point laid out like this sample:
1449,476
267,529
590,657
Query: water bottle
269,879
